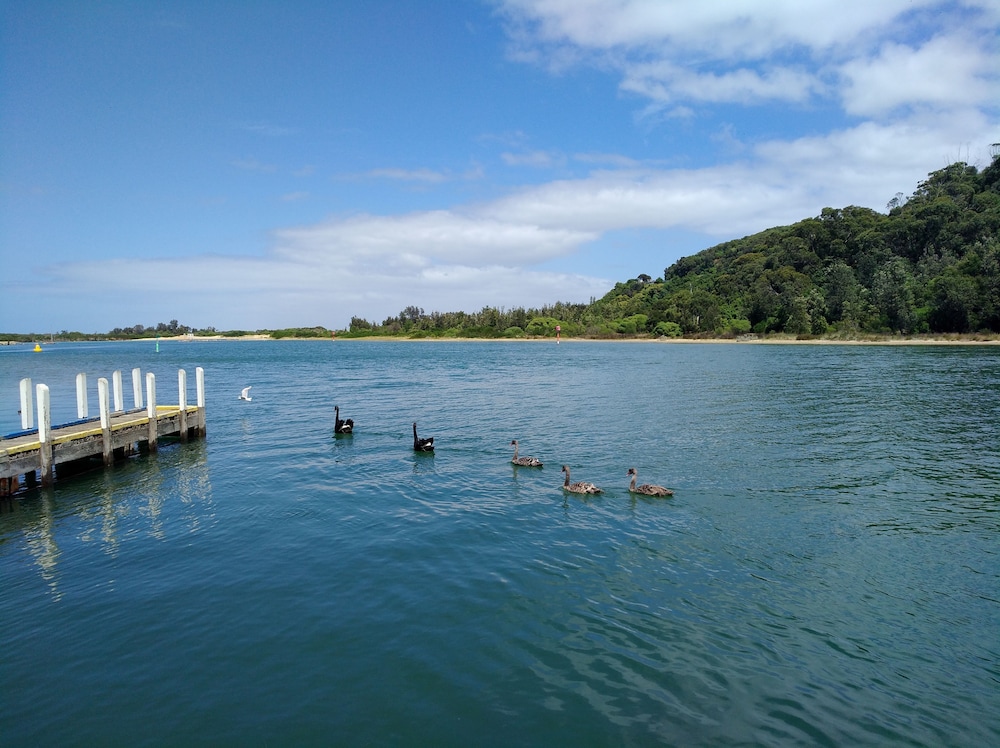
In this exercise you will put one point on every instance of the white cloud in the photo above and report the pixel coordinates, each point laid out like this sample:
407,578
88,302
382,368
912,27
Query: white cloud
713,201
665,81
947,71
228,293
748,52
615,160
471,239
892,156
534,159
735,29
410,175
421,176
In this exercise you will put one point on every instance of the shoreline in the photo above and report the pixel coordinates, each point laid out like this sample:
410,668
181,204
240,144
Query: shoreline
970,340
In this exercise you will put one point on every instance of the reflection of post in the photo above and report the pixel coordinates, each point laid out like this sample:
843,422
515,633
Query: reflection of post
44,435
27,415
182,399
558,330
109,518
42,545
82,408
199,379
151,409
137,388
104,403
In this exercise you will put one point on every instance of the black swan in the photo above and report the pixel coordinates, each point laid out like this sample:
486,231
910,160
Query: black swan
524,461
646,488
580,486
341,427
422,445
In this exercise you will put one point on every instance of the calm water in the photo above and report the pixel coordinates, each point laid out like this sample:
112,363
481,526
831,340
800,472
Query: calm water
826,574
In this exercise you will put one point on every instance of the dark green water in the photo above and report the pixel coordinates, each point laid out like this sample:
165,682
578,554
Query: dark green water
827,573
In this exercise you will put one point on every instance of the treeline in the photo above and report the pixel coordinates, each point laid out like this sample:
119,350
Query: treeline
931,264
489,322
161,329
566,319
140,331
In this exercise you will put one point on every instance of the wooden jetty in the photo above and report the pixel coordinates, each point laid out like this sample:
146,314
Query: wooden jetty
114,434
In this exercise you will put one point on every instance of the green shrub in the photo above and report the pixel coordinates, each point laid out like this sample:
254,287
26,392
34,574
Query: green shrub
669,329
736,326
542,326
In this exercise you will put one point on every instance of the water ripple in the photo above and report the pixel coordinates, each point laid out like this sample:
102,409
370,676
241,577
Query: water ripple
826,573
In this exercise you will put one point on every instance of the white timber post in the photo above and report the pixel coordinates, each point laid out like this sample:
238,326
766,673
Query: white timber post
151,409
44,434
116,378
137,388
82,410
27,405
182,399
104,404
199,379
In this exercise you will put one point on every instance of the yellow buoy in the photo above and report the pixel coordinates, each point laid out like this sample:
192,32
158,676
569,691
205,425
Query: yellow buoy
37,347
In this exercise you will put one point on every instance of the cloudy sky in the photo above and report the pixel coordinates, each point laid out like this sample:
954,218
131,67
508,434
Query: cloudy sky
249,165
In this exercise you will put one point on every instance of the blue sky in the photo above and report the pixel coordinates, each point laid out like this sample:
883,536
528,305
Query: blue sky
248,165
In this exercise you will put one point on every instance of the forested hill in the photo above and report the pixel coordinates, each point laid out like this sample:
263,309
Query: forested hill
931,265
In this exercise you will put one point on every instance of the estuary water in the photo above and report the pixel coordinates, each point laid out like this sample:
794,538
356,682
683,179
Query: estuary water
827,572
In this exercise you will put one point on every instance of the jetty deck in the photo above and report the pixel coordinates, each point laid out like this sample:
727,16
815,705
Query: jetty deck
36,454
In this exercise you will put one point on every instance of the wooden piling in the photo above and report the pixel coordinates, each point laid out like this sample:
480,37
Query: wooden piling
107,449
182,400
199,378
44,435
137,388
116,379
27,405
82,408
151,410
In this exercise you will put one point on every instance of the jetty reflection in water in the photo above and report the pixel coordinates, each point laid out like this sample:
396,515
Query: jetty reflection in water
163,495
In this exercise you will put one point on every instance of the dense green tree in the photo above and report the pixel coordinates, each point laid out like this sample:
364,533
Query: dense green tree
892,292
840,287
956,304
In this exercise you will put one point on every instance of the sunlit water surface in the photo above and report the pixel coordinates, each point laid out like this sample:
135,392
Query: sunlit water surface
827,572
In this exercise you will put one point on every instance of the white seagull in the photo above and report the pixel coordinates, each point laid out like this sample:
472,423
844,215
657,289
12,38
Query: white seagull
245,394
